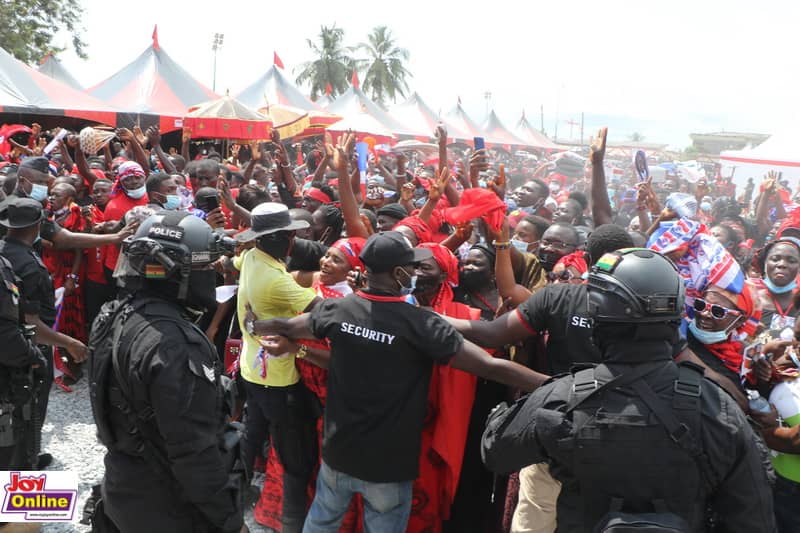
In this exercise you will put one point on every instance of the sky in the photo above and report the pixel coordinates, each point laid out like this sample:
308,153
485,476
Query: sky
663,68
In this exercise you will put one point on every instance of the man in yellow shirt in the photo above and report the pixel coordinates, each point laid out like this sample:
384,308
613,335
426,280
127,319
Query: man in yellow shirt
277,402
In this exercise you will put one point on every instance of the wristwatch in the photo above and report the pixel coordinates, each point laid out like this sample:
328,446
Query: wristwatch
302,352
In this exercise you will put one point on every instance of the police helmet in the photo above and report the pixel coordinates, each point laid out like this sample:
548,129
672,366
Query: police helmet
168,245
635,286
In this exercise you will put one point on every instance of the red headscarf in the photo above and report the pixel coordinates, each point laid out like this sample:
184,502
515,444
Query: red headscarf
317,194
730,352
449,265
418,226
351,248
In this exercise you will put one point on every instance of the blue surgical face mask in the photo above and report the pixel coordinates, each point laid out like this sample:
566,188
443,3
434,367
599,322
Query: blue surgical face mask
136,193
405,290
775,289
522,246
173,202
38,192
707,337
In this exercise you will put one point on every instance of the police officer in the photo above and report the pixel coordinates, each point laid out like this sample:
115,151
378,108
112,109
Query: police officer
637,436
160,408
22,218
17,361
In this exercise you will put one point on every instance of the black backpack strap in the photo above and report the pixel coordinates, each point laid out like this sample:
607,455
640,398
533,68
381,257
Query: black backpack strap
679,432
137,420
589,382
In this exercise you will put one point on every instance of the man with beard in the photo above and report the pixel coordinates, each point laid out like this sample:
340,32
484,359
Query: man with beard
559,240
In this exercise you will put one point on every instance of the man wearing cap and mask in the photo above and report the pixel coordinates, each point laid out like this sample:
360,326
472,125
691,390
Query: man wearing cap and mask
278,403
382,355
22,218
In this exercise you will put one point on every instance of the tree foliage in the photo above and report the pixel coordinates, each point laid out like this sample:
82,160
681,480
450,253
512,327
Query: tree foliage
28,27
386,73
333,64
636,137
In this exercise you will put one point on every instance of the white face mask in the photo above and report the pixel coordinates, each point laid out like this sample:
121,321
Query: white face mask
522,246
136,193
405,290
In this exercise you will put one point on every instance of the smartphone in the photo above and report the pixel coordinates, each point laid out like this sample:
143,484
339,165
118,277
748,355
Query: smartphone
212,202
479,144
640,162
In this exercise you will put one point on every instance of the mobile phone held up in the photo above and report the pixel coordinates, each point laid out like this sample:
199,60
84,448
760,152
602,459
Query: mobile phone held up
479,143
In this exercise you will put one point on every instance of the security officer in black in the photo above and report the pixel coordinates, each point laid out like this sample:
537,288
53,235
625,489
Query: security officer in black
161,408
18,358
22,219
637,436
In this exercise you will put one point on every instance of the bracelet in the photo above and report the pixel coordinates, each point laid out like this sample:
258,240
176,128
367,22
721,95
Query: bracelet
504,245
302,352
73,277
287,165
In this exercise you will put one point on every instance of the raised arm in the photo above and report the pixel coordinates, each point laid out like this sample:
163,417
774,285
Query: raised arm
139,154
507,285
470,358
601,205
154,138
352,218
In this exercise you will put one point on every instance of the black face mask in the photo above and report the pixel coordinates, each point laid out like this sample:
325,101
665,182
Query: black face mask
426,285
202,289
547,259
472,280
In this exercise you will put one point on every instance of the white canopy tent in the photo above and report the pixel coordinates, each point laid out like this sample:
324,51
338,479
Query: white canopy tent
781,153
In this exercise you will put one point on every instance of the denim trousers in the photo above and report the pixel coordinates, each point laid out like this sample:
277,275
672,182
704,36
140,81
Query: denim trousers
387,506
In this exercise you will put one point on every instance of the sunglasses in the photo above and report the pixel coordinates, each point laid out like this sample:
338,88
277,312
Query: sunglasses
717,311
564,275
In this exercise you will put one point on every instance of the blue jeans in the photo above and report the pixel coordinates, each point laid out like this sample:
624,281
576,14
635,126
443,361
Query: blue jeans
786,494
387,506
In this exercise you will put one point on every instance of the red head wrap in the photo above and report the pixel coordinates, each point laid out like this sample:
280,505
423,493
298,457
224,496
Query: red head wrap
318,195
418,226
449,265
575,260
351,248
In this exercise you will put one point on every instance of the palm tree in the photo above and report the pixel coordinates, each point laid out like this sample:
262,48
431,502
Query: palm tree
333,64
636,137
385,71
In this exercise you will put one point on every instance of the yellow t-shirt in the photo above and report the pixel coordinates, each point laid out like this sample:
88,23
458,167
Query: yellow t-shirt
272,293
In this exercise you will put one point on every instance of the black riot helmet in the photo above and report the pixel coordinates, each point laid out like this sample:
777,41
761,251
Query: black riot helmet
175,248
635,286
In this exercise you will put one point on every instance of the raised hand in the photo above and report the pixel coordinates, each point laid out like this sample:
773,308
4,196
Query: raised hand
153,136
597,149
186,135
407,192
137,132
438,185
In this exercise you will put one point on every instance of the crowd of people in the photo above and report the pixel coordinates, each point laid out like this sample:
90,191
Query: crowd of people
374,313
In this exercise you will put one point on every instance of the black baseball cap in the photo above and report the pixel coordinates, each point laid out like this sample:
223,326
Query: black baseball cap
389,249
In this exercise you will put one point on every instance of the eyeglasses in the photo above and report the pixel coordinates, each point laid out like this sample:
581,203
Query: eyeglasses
717,311
560,245
564,275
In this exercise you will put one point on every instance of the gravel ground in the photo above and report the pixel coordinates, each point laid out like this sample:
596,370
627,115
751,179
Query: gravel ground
69,435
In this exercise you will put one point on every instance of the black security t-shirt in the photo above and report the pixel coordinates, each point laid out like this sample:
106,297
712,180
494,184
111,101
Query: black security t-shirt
382,355
38,296
561,311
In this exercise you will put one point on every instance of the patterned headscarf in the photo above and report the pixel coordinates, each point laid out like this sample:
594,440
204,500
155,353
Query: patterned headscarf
351,248
125,170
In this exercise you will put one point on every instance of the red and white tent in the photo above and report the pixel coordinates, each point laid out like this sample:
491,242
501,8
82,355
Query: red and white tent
353,102
778,153
419,117
533,137
153,89
459,118
26,91
52,67
497,133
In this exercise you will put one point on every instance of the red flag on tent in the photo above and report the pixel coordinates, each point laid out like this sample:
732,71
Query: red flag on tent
277,60
354,80
155,37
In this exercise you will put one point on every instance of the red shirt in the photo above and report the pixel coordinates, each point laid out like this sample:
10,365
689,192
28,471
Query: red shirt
115,210
95,256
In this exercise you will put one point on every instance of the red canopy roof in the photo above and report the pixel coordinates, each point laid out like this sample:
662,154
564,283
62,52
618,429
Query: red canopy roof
498,134
155,85
422,119
353,102
226,118
459,118
532,136
274,88
25,90
52,67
